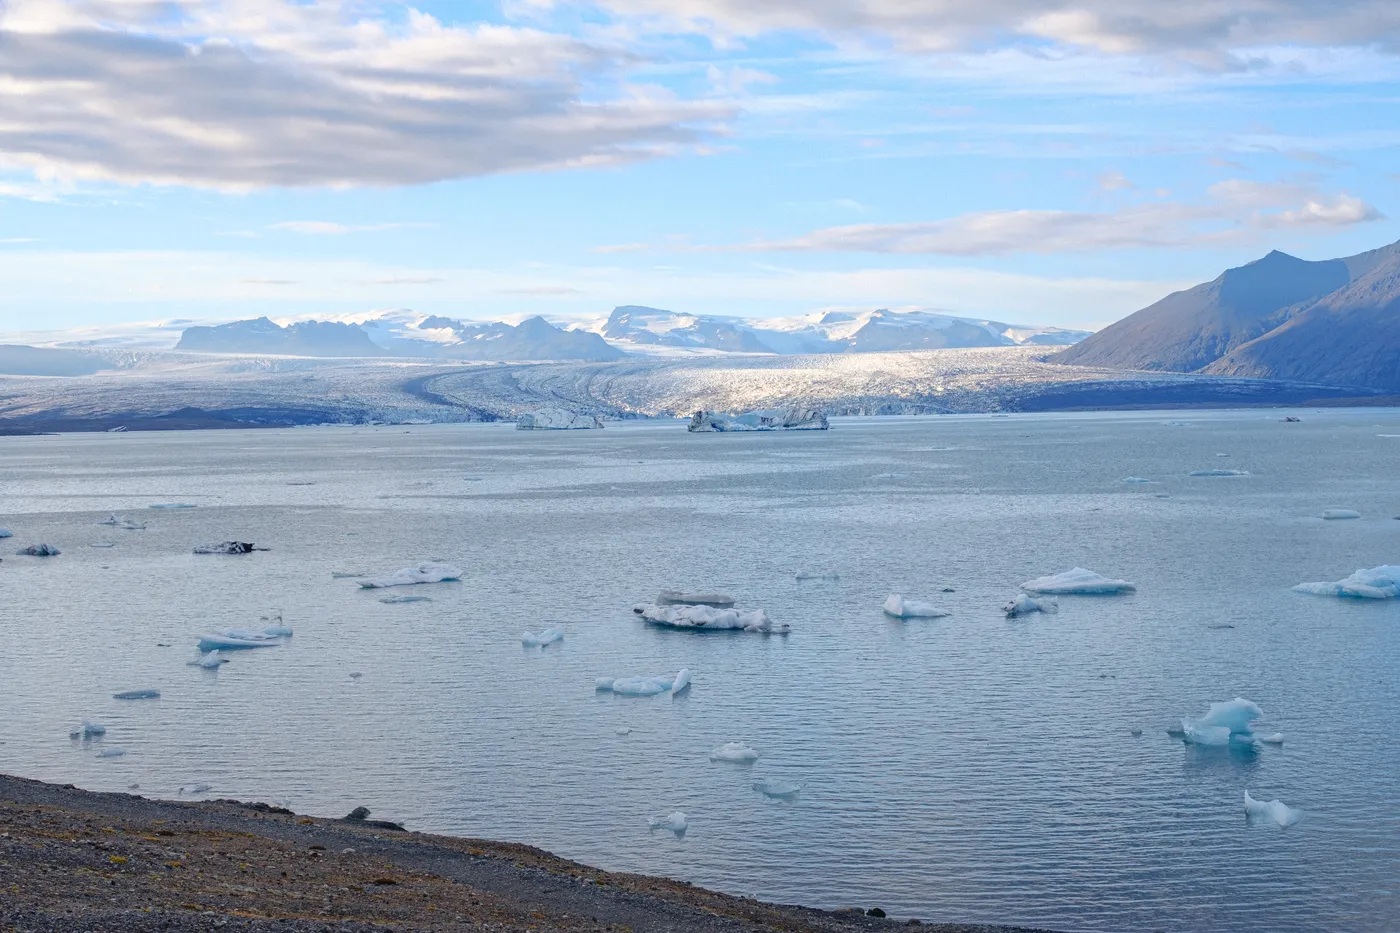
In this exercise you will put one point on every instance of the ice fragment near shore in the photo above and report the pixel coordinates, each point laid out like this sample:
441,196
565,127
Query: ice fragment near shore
1333,515
548,637
681,598
1021,605
1376,583
902,608
198,788
736,752
709,618
137,695
428,572
772,787
1275,810
675,822
556,419
1077,582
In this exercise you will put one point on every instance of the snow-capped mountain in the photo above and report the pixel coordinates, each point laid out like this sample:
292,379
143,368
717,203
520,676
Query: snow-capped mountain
645,329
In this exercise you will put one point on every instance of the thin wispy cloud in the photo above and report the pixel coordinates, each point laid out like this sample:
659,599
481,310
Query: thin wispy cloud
543,291
328,228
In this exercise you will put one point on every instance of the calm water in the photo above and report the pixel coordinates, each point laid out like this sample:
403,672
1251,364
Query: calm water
965,768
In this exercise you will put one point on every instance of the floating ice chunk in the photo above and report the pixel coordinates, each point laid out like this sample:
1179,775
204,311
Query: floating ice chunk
87,730
1135,479
772,787
1218,473
171,505
235,638
137,695
102,544
229,547
1078,582
1235,715
675,822
1275,738
348,574
395,599
548,637
709,618
1021,605
641,686
776,419
556,419
1275,810
1377,583
209,662
1209,736
429,572
902,608
197,788
818,575
111,753
1339,514
123,523
39,550
278,629
356,675
6,533
680,598
736,752
623,730
682,681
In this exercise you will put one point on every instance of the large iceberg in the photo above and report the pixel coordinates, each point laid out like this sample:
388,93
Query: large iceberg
1275,810
1077,582
736,752
429,572
682,598
1377,583
773,419
555,419
712,619
229,547
902,608
1021,605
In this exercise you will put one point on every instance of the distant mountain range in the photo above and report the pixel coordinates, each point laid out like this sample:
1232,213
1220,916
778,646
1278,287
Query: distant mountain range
1335,322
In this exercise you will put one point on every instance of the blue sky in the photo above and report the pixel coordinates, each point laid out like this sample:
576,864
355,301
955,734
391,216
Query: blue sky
1039,162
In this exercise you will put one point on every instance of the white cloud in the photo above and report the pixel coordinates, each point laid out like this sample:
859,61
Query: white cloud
237,94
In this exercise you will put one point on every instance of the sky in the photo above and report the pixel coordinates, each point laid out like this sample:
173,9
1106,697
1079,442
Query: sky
1056,162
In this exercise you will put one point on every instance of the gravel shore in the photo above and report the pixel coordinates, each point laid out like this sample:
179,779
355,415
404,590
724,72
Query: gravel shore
82,861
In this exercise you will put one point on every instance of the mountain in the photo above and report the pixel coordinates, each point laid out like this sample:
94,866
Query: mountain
824,332
306,338
402,333
1335,322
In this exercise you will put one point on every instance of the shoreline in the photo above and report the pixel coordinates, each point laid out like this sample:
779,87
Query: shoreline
76,860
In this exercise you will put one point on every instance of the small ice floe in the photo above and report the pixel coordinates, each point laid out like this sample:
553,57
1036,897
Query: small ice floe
1274,738
902,608
1275,810
404,598
348,574
229,547
682,598
196,788
87,730
137,695
1229,723
1021,605
1290,419
1218,473
781,790
102,544
735,752
623,730
889,476
428,572
1333,515
1376,583
209,661
236,638
548,637
818,575
1161,495
125,524
1077,582
6,533
39,550
1135,480
556,419
708,618
276,627
674,822
356,675
682,681
111,753
171,505
640,686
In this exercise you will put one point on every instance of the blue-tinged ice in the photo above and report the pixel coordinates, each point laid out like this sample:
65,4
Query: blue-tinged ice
675,822
39,550
6,533
548,637
682,681
683,598
428,572
712,619
210,661
640,686
1135,479
1274,810
735,752
1333,515
111,753
137,695
87,730
773,787
901,608
1021,605
236,638
1237,715
403,598
1077,582
1377,583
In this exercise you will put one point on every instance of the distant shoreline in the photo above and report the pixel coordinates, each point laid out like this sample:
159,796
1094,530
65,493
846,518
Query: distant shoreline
79,860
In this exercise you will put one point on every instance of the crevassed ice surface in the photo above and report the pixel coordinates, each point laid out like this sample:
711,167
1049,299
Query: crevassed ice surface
966,768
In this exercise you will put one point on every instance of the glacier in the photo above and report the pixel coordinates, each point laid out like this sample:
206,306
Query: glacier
1376,583
556,419
1077,582
901,608
428,572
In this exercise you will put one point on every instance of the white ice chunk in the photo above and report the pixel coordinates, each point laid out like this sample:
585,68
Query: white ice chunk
1339,514
736,752
429,572
1078,582
641,686
88,729
1235,715
111,753
197,788
278,630
675,822
709,618
548,637
1021,605
775,419
1219,473
902,608
234,638
1275,810
1210,736
681,598
772,787
1275,738
209,662
1377,583
556,419
1135,479
682,681
172,505
623,730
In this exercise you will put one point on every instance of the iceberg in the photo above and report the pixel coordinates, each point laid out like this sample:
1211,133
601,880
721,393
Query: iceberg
1275,738
229,547
137,695
392,600
682,681
111,753
772,787
1377,583
1275,810
39,550
429,572
1235,715
102,544
681,598
736,752
675,822
6,533
1228,723
1077,582
1218,473
641,686
87,730
556,419
1339,514
1021,605
209,662
123,523
775,419
234,638
548,637
348,574
710,619
902,608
